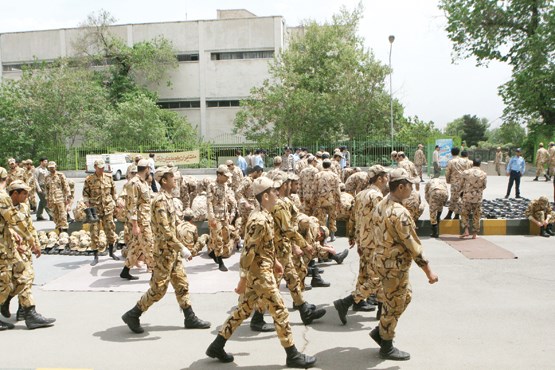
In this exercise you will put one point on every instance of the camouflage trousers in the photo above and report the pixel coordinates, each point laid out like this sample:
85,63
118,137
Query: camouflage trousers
309,207
241,221
419,169
551,168
59,214
168,268
367,281
291,278
454,200
221,239
261,292
6,271
436,201
327,213
397,296
199,245
32,198
498,169
23,275
540,170
474,211
107,224
541,216
140,247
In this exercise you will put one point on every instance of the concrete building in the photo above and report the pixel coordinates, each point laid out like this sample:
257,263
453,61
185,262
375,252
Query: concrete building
220,60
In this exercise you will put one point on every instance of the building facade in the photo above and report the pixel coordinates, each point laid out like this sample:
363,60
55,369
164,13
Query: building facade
220,60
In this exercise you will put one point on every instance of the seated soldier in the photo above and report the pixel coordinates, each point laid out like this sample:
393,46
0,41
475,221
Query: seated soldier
539,212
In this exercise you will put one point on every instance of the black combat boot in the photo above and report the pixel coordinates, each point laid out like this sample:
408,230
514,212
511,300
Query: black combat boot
389,352
95,259
548,229
298,360
363,306
339,257
379,312
6,325
435,231
216,350
547,178
111,252
213,256
126,275
342,307
221,265
535,178
88,216
312,264
5,310
308,315
258,323
192,321
35,320
448,216
372,300
317,281
20,314
94,215
375,335
132,319
332,236
543,232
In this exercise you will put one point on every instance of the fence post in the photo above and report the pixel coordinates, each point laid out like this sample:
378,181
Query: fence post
76,159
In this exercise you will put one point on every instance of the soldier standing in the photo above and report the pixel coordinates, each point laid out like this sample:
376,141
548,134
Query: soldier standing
420,161
396,246
58,196
551,163
407,165
328,196
336,163
473,184
277,170
169,253
99,192
455,167
15,172
23,273
236,175
306,180
31,181
436,196
356,183
40,173
139,215
542,157
246,202
218,215
498,160
257,284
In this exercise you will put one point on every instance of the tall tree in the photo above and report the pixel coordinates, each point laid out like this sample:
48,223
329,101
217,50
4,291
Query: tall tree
325,86
414,131
470,129
518,32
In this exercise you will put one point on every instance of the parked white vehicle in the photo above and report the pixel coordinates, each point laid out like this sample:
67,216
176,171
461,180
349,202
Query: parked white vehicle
116,164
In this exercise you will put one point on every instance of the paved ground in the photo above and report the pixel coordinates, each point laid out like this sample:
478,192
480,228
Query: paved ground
483,314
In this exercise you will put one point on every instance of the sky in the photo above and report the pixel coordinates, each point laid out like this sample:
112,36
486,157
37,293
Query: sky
424,78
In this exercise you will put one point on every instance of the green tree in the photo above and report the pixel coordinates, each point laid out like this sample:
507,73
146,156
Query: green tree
325,86
510,132
414,131
470,129
518,32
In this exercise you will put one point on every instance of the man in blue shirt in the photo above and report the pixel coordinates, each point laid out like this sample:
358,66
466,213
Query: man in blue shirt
241,162
515,170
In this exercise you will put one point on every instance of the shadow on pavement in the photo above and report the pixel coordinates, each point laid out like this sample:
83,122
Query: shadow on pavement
212,363
338,357
72,265
122,333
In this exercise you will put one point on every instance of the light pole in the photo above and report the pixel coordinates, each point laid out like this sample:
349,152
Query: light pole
391,39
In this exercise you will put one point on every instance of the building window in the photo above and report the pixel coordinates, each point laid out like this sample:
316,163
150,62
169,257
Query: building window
187,57
179,104
261,54
222,103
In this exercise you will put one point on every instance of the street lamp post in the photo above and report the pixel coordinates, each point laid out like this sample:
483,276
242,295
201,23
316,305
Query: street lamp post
391,39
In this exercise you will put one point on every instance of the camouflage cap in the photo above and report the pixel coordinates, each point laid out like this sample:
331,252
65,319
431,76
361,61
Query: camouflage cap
541,144
18,185
262,184
11,160
277,159
399,174
138,157
376,170
400,153
51,164
551,143
99,163
498,148
327,160
394,153
325,155
142,163
311,158
188,213
3,173
29,161
318,154
161,171
133,169
293,177
338,154
228,162
223,170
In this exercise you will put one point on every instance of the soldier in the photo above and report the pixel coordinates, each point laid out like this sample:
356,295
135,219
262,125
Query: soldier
328,195
136,160
169,253
139,217
302,162
362,234
31,181
188,190
345,209
40,173
218,216
15,172
473,184
58,196
393,157
396,246
356,183
455,167
407,165
276,171
120,212
515,170
246,202
187,233
294,191
23,273
539,212
99,192
236,175
176,192
348,171
436,196
257,284
542,157
306,180
551,163
336,164
287,161
414,205
420,160
498,160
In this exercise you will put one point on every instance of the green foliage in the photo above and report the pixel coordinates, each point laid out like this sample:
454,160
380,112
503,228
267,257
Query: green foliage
509,134
325,86
469,128
414,131
518,32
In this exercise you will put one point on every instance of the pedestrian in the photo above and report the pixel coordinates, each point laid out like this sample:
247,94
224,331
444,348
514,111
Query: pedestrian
397,245
542,158
473,184
152,167
241,162
258,159
420,160
287,161
169,254
41,172
58,195
515,170
498,160
218,207
257,284
435,162
455,167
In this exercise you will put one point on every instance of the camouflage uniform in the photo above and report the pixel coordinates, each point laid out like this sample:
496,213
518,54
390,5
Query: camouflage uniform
396,246
436,197
168,267
408,166
328,195
31,181
188,190
100,193
551,154
498,160
257,266
138,209
306,191
275,172
187,234
357,182
246,203
414,205
336,168
40,174
473,183
540,210
236,178
16,173
301,165
347,172
419,161
309,229
218,208
542,157
58,196
455,167
200,207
